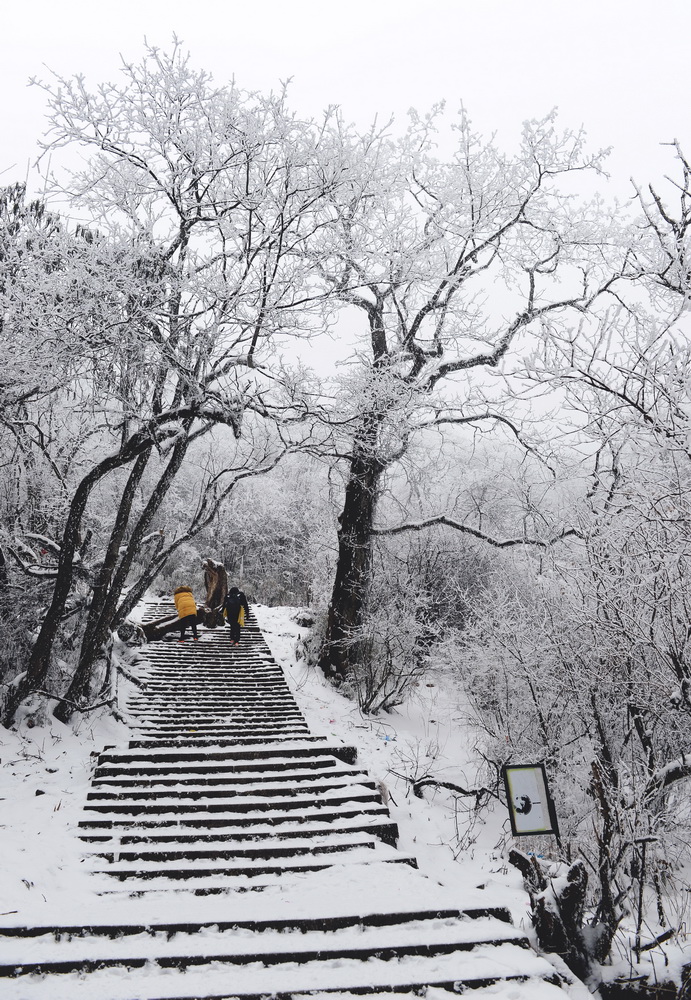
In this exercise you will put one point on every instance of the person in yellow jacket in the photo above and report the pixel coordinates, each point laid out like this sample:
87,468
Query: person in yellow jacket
187,611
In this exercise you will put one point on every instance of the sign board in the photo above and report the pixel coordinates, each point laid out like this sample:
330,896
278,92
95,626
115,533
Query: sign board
531,809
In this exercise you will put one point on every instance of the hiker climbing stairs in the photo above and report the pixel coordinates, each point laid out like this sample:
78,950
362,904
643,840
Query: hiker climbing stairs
234,853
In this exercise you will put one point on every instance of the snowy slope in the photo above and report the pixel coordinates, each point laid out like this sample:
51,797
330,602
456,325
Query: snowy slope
45,877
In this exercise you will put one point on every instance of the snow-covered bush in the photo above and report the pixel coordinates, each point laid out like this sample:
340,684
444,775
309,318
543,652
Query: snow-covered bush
577,666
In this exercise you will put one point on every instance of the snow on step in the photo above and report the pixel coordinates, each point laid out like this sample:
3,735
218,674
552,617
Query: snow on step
271,786
239,942
530,989
342,892
342,793
483,964
301,747
264,822
277,766
60,953
265,834
349,853
212,843
205,874
234,854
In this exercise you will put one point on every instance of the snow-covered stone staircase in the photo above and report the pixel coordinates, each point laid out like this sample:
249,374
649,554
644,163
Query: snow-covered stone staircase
236,854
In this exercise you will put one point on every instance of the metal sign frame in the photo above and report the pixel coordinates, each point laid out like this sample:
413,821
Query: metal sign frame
531,809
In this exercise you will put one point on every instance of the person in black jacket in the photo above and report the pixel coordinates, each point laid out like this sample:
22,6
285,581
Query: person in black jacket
236,608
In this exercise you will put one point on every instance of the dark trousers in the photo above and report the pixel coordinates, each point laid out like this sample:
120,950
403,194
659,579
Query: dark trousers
184,622
234,631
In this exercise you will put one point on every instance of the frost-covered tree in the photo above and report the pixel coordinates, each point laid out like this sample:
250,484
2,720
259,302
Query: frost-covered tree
580,661
448,266
200,202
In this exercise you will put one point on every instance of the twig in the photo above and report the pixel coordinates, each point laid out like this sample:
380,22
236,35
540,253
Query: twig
660,939
73,704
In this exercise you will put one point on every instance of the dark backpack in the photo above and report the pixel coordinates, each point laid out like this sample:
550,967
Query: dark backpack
231,606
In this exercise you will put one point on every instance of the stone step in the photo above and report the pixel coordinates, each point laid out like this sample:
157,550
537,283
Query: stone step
245,711
212,778
226,719
355,854
223,687
276,766
179,950
223,682
267,697
231,850
167,750
378,827
221,678
346,753
201,662
202,819
255,789
255,976
367,918
216,691
200,730
239,804
184,699
181,701
362,916
240,709
210,718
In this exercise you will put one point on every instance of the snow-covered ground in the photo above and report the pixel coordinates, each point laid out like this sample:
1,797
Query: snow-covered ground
44,778
427,735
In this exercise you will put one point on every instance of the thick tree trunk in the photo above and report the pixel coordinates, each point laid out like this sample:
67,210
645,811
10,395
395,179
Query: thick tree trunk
216,583
94,636
353,571
557,911
159,627
104,610
39,662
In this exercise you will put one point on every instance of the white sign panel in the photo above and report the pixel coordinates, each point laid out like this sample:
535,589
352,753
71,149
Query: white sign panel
530,806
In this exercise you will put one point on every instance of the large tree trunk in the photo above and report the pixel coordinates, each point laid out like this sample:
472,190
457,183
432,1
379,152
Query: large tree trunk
216,583
353,571
39,662
92,639
113,575
557,911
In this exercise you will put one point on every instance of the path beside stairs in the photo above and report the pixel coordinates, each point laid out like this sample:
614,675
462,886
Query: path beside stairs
236,854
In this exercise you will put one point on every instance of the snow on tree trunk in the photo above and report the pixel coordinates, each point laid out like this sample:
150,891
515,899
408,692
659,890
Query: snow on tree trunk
557,911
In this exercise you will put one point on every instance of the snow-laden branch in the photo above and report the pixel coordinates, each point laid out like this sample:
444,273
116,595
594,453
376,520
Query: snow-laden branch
49,544
33,569
675,770
452,418
497,543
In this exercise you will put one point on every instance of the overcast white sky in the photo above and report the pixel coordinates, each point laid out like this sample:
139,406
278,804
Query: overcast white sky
617,66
